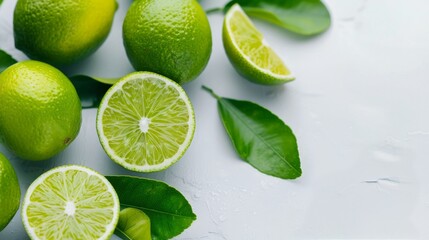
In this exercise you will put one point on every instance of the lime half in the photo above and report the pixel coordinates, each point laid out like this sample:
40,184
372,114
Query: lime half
145,122
249,52
70,202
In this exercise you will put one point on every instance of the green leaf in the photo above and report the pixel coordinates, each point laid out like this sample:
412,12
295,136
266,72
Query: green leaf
306,17
133,224
168,210
260,137
91,89
5,59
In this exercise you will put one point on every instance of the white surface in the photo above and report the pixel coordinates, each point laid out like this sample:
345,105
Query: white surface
359,109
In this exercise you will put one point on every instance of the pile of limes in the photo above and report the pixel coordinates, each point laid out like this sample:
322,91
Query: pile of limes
145,122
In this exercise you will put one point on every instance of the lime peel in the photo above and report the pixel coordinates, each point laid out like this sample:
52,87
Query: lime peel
10,193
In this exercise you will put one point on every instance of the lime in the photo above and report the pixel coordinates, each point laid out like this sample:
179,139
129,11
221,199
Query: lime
135,224
249,52
70,202
169,37
145,122
10,193
64,32
40,112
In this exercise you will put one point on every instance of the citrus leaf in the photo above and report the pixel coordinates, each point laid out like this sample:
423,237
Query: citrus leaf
5,59
91,89
168,210
133,224
260,137
306,17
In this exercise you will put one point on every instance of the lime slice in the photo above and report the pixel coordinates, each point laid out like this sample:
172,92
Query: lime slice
145,122
70,202
249,52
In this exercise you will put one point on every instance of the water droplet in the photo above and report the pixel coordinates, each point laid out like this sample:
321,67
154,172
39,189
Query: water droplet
196,196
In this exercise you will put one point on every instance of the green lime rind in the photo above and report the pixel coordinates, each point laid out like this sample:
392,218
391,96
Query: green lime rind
62,33
133,224
172,38
170,117
40,110
10,193
95,205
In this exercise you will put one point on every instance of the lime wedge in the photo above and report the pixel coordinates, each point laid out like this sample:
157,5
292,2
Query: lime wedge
249,52
70,202
145,122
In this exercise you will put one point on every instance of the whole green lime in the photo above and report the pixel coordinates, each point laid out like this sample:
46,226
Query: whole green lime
168,37
10,193
40,111
61,32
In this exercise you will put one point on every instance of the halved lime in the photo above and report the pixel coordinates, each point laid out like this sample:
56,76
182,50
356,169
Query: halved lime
249,52
145,122
70,202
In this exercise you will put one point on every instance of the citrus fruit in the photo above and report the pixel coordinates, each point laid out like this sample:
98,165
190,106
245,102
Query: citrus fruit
40,111
9,192
61,32
70,202
168,37
135,224
249,52
145,122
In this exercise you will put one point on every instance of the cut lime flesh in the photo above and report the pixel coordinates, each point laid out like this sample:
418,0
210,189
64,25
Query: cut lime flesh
145,122
70,202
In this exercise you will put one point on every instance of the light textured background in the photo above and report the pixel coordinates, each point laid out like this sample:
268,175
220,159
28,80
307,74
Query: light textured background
359,109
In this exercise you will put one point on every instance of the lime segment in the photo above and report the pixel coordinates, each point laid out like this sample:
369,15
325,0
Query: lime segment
145,122
249,52
70,202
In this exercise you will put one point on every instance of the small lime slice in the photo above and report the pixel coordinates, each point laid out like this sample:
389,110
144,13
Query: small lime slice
249,52
70,202
145,122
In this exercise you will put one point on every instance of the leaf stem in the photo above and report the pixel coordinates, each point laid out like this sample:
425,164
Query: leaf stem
209,90
212,10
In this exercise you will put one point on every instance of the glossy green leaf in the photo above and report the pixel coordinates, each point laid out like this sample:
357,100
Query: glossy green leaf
1,1
260,137
306,17
5,59
133,224
168,210
91,89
